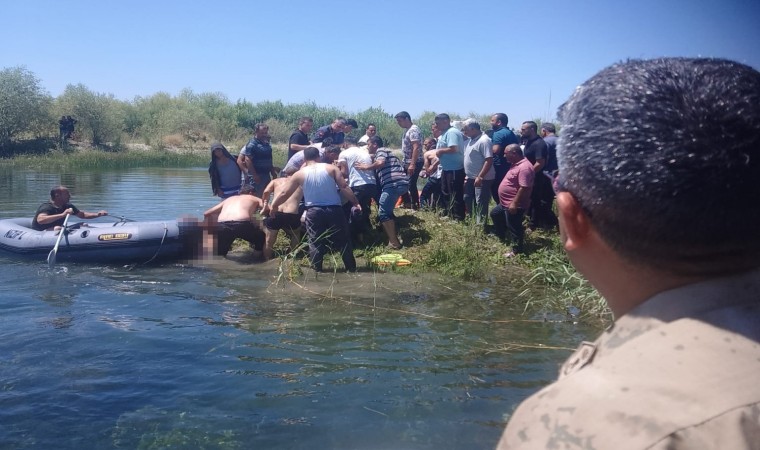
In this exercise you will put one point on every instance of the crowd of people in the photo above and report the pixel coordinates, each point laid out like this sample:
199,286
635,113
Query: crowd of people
654,184
465,168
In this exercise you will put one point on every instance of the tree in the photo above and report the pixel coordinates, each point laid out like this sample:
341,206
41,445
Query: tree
100,116
24,105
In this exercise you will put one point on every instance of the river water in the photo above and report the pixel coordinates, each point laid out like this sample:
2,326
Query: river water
222,354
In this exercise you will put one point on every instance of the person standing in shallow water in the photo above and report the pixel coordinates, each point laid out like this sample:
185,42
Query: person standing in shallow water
326,225
224,172
657,222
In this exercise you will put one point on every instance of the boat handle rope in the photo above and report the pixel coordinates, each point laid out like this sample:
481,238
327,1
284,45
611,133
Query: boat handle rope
166,232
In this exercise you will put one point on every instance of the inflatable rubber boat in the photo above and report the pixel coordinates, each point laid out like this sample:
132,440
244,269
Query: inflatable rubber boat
97,242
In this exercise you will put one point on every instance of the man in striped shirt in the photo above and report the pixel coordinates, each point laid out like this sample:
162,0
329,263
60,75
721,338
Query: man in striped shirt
393,183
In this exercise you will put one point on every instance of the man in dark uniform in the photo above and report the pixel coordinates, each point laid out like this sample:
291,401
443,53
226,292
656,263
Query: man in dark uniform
657,220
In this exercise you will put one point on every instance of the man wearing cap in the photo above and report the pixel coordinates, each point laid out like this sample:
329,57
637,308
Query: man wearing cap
657,221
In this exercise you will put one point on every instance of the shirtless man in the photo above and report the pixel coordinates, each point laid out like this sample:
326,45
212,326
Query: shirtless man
288,217
232,219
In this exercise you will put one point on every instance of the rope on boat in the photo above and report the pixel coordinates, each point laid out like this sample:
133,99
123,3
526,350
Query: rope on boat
166,232
161,244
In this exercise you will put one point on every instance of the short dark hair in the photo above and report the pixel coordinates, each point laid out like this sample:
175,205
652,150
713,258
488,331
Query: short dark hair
311,154
352,122
370,125
305,119
247,189
549,127
677,192
501,117
332,149
403,115
442,116
531,124
473,124
57,190
376,140
259,126
351,140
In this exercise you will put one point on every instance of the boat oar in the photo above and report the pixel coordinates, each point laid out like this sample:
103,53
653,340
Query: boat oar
54,251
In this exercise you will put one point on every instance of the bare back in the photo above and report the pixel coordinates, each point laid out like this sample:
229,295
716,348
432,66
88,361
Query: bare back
290,205
239,208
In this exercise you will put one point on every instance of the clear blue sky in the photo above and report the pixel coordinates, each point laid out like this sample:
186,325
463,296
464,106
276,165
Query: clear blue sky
415,55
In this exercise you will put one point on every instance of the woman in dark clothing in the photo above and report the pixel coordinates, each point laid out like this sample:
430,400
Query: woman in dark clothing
224,172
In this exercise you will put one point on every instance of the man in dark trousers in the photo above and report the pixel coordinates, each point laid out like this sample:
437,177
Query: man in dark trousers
326,224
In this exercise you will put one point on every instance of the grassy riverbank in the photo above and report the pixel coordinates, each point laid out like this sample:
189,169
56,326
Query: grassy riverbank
459,251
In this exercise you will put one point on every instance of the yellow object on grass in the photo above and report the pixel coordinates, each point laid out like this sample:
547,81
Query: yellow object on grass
390,259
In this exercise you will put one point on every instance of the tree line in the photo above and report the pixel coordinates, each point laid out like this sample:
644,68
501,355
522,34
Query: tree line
28,112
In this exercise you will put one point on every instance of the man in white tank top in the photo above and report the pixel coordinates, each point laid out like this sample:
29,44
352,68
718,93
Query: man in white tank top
326,225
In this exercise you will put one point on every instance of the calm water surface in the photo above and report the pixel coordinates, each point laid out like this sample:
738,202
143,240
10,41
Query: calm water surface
217,355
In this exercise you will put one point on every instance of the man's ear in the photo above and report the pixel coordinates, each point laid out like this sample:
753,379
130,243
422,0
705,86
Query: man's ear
575,223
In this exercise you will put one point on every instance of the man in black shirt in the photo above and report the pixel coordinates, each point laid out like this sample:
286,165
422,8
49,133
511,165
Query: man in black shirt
299,140
53,213
536,151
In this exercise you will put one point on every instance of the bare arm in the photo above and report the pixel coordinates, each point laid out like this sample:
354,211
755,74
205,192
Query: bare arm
265,197
518,198
343,165
540,163
442,150
299,147
214,210
486,167
90,215
415,156
378,163
241,163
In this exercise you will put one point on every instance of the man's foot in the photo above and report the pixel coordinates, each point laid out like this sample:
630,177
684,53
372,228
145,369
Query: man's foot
509,255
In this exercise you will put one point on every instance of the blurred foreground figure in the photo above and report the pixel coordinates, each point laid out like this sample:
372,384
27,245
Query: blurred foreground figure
659,163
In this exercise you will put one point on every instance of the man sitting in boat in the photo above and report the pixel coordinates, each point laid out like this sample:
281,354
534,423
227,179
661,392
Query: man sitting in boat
232,219
50,215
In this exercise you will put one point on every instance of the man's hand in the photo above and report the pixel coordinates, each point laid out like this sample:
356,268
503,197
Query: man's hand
512,208
411,170
478,182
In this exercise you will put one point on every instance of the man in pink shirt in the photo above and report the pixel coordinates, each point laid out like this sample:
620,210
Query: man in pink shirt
514,199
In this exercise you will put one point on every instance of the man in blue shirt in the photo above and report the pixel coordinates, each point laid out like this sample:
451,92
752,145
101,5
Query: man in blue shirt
502,136
450,153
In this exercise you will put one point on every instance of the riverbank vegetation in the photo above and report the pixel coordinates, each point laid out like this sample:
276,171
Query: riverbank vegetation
177,131
188,120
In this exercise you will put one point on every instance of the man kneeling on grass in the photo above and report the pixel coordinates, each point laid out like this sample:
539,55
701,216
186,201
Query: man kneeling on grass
326,225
